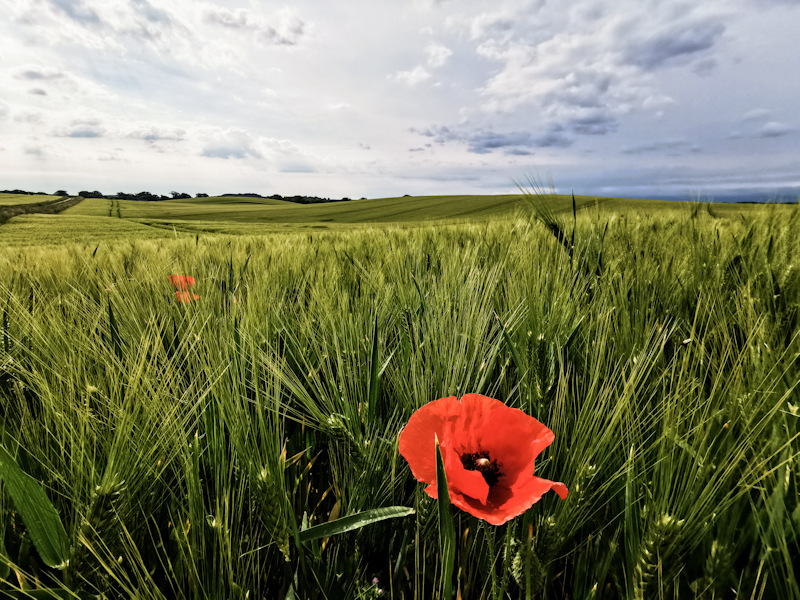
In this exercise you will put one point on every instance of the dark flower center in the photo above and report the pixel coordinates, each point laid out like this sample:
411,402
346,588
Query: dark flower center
480,461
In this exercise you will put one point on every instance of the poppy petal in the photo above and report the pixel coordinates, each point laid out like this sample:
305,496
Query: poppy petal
417,438
506,503
479,424
509,435
433,491
470,483
178,282
181,282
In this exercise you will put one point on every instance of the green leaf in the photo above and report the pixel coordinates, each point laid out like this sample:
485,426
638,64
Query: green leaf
352,522
447,531
37,512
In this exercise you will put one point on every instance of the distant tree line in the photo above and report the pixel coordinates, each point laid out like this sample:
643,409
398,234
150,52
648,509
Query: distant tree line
148,197
141,196
21,192
297,199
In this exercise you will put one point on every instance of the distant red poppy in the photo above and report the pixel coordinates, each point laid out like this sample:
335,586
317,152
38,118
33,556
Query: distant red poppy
181,282
488,451
186,297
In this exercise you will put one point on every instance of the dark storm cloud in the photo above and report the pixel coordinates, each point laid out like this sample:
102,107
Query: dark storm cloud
677,145
555,138
704,67
485,141
677,42
519,152
76,11
595,123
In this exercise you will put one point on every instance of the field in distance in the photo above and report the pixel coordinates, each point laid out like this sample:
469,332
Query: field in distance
379,210
102,220
12,199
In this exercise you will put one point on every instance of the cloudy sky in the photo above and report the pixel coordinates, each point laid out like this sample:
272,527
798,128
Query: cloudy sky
365,98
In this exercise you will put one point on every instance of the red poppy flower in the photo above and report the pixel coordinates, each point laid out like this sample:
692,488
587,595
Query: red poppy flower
181,282
186,297
488,451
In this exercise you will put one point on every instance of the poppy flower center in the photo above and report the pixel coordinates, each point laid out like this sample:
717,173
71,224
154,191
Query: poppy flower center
480,461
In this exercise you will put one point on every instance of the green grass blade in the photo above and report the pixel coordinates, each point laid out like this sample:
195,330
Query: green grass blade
37,512
114,331
352,522
447,531
488,371
513,350
374,377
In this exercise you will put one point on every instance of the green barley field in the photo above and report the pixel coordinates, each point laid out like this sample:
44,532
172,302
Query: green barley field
245,444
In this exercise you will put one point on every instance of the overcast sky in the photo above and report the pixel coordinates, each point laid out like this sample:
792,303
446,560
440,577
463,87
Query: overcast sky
383,98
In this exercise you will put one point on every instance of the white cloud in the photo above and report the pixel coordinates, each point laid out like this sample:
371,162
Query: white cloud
49,79
437,55
154,133
756,114
231,143
38,73
35,151
274,146
414,76
106,156
773,129
285,28
81,128
28,116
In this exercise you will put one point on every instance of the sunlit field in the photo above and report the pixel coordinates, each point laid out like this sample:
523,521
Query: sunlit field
245,443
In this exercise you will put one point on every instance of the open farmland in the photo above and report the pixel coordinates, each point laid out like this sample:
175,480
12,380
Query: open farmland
13,199
190,449
97,220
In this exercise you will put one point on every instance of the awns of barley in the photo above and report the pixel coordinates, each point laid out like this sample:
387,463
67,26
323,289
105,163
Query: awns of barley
652,553
98,534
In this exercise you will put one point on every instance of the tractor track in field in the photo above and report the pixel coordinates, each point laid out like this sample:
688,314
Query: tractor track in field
49,207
